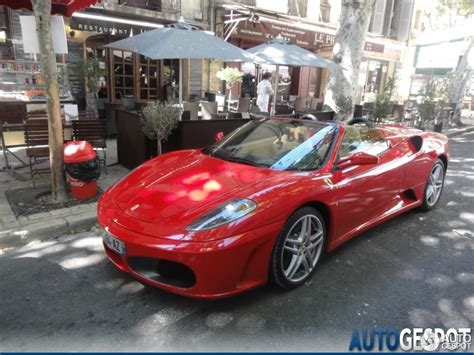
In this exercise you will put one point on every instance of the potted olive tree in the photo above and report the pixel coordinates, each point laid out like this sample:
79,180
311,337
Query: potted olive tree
231,76
158,120
92,70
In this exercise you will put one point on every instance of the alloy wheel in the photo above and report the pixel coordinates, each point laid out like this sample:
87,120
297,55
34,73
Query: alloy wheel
435,185
302,248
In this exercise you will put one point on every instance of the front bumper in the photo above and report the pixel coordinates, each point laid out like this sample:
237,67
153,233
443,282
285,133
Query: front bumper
220,268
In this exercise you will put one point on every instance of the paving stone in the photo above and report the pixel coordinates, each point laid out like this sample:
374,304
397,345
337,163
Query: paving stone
23,219
11,225
61,212
9,219
38,216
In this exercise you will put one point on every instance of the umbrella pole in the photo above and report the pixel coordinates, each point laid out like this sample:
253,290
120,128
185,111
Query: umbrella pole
275,93
180,81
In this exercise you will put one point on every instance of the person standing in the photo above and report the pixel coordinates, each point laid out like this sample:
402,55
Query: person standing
264,91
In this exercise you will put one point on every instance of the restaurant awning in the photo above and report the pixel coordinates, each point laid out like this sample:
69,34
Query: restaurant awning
58,7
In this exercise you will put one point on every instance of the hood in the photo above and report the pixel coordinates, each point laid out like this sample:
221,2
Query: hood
182,183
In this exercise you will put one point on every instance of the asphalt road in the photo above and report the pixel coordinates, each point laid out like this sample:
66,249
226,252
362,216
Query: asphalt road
414,271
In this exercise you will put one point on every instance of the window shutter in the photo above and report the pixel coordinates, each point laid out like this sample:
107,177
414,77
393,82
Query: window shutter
405,10
378,17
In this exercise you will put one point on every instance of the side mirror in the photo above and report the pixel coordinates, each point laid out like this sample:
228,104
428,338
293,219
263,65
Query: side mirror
359,158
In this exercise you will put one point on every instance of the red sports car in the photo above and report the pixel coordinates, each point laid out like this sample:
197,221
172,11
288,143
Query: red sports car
264,202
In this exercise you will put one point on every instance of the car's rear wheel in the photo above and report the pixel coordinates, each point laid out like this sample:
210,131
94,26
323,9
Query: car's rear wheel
434,186
298,248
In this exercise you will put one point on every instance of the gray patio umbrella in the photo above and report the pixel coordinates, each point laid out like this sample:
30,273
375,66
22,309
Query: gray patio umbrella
182,41
280,52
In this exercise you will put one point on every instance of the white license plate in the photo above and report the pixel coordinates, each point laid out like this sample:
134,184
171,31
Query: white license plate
113,243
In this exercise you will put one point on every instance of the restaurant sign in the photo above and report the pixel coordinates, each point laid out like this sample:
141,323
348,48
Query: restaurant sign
265,31
107,27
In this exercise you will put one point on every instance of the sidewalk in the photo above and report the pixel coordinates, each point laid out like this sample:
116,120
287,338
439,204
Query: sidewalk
47,225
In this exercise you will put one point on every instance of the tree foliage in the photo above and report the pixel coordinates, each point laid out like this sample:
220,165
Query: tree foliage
158,120
383,101
433,106
230,75
92,71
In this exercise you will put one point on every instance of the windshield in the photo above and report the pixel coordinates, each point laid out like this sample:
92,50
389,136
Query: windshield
277,144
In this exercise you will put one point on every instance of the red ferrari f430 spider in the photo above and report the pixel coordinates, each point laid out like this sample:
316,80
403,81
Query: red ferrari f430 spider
265,202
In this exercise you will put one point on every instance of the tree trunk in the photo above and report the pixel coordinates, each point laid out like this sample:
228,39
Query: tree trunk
457,86
230,97
91,102
42,12
340,92
158,147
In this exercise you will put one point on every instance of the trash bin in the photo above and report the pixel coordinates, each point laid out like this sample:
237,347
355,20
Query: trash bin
82,169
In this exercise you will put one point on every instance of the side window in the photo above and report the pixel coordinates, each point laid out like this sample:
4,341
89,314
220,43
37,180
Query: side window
362,139
351,140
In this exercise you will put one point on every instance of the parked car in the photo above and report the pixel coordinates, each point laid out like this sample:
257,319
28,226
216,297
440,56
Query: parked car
265,202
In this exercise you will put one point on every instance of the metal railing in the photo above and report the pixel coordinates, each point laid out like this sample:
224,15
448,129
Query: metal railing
172,6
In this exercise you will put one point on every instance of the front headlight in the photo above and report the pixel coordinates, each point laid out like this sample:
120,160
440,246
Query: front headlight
227,213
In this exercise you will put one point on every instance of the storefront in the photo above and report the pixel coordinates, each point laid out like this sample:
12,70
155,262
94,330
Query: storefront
130,77
302,81
381,57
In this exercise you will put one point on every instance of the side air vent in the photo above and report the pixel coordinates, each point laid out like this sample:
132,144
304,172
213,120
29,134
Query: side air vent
417,143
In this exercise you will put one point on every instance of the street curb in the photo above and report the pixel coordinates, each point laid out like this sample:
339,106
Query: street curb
47,229
460,131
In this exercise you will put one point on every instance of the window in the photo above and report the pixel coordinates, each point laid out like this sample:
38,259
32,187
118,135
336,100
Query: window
325,9
359,138
149,73
170,78
123,74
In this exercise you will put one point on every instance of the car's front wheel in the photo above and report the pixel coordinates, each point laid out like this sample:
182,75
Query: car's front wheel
298,248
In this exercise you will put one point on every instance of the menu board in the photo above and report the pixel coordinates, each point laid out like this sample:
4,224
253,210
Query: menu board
76,81
195,76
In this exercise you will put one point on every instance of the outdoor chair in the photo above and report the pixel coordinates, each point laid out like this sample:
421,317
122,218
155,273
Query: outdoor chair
244,104
95,132
398,112
314,103
254,108
36,115
209,111
37,145
193,108
87,115
301,104
368,109
220,99
210,96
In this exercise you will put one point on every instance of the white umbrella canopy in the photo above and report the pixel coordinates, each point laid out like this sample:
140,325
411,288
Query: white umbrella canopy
182,41
280,52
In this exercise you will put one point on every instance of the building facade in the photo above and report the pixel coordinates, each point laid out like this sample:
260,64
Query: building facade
130,77
311,24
